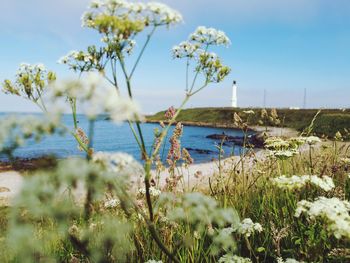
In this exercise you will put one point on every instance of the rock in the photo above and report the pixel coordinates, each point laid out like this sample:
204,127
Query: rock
256,140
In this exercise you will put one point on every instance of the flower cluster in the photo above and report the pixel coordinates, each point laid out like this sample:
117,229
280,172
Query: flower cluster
170,113
120,163
30,82
284,149
247,227
283,154
185,49
174,153
96,97
297,182
196,47
112,203
333,210
288,260
210,36
120,17
82,137
233,259
212,68
311,140
152,190
186,156
80,61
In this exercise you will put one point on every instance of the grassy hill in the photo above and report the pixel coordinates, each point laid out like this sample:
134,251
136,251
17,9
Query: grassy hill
327,123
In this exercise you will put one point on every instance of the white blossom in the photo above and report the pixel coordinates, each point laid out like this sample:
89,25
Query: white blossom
288,260
185,49
311,140
333,210
297,182
282,154
112,203
152,190
233,259
247,227
210,36
118,163
96,97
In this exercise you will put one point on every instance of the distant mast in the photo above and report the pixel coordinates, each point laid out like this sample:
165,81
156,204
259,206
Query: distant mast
234,95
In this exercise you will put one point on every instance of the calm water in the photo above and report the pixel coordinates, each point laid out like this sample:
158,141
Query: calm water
110,137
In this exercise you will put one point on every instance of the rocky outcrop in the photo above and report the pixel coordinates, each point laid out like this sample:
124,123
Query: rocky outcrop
256,140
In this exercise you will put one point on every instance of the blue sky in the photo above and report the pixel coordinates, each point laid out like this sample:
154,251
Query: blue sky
278,45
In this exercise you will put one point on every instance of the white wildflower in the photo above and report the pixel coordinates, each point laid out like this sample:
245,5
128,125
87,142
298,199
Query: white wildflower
288,260
233,259
210,36
249,112
152,190
311,140
283,154
276,143
247,227
333,210
112,203
163,14
97,97
297,182
185,49
154,261
118,163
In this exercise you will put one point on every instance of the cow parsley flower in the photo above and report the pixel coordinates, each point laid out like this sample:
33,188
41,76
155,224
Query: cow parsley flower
30,82
96,97
153,191
210,36
297,182
311,140
276,143
334,211
282,154
112,203
162,14
121,163
185,49
288,260
247,227
233,259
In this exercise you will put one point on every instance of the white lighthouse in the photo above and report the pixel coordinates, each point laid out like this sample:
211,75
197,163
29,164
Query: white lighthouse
234,95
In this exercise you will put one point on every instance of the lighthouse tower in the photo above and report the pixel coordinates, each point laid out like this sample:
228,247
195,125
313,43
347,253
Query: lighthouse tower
234,95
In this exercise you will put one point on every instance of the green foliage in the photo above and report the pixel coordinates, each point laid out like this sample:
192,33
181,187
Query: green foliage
326,124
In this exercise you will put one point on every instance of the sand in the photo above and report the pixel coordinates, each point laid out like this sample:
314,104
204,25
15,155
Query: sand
10,186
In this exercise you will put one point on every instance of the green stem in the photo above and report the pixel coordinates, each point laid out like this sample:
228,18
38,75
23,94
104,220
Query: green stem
91,137
142,51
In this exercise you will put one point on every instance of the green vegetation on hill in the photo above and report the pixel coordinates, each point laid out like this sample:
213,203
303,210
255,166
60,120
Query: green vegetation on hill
327,123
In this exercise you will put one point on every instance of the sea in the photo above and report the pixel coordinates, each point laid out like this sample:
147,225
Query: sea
109,137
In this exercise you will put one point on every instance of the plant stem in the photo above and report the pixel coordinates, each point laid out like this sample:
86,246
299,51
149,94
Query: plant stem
142,51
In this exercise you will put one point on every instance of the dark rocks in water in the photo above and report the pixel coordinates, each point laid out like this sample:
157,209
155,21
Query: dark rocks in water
256,140
200,151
